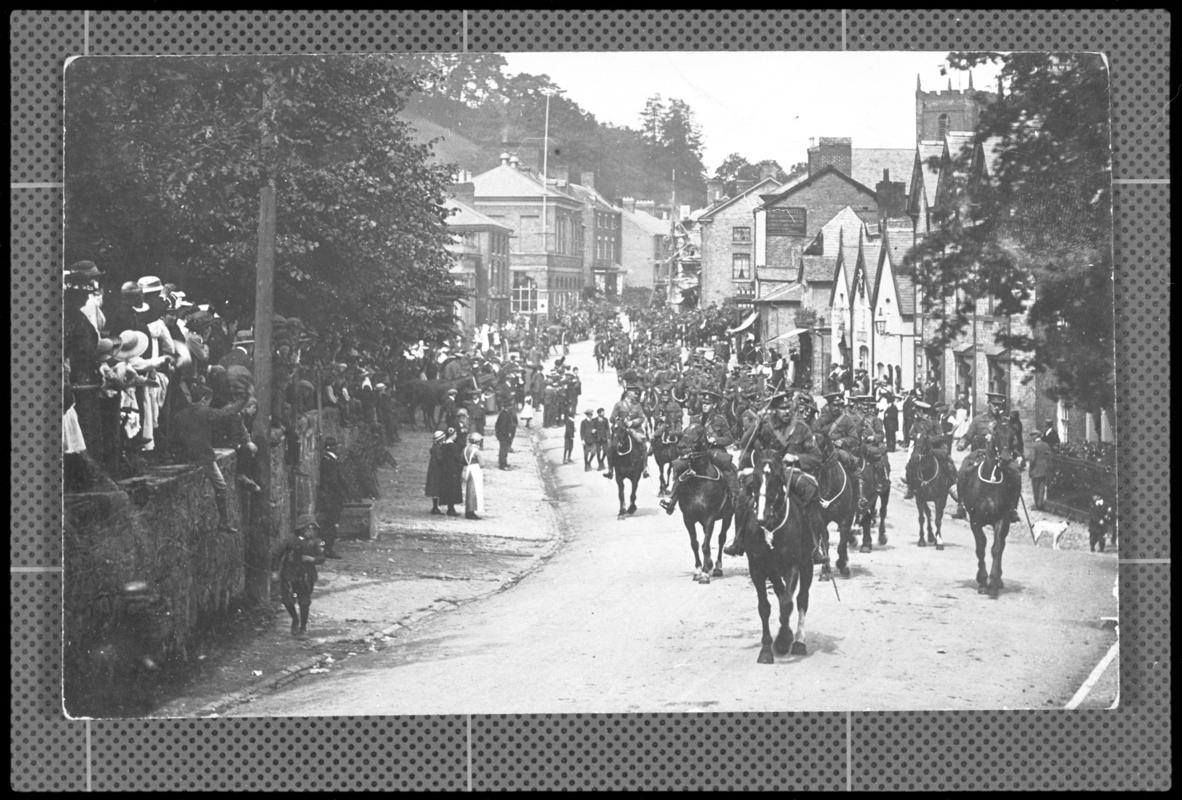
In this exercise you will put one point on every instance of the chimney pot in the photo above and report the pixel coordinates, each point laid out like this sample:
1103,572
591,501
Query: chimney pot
504,159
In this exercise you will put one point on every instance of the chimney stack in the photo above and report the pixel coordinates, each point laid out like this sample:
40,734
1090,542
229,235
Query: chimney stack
891,197
832,151
561,174
742,186
504,159
588,178
767,171
515,162
465,192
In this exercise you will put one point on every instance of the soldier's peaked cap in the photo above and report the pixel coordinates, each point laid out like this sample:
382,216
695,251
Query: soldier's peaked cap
833,397
712,396
993,397
781,400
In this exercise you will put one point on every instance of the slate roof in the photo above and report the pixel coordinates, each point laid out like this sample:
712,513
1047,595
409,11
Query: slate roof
647,222
466,216
765,185
784,191
843,227
870,247
897,241
925,151
507,181
867,164
589,195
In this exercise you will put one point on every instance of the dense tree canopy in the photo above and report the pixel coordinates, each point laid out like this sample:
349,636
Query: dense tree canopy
736,169
1034,234
165,159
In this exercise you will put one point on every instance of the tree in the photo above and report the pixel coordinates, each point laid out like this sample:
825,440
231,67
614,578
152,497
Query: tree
651,120
164,163
1033,233
736,169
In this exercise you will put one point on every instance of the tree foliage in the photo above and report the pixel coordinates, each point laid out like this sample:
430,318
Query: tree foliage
1033,232
736,169
165,159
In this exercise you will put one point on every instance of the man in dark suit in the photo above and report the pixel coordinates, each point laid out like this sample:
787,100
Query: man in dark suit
332,496
587,434
1040,468
602,433
506,429
1050,433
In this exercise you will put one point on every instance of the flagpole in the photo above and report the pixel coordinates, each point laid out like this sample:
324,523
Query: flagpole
546,191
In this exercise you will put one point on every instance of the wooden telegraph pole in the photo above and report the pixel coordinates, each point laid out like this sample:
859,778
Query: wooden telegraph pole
258,538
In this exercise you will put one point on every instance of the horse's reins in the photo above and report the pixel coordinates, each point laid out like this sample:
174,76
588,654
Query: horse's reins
844,479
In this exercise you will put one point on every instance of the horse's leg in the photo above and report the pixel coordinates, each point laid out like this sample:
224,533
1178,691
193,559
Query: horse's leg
938,512
844,525
883,498
802,608
1001,530
765,611
979,538
620,491
707,556
632,499
726,524
693,537
921,509
785,592
867,519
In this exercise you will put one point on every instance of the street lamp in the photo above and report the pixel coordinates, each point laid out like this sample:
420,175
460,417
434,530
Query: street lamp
880,322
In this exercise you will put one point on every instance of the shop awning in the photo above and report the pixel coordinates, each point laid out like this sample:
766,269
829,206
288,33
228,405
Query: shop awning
789,335
745,324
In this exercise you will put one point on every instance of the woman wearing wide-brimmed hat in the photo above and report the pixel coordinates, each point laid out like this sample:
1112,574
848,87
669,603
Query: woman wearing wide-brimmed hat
473,475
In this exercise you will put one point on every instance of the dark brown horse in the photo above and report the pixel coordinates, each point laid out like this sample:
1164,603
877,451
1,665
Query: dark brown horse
990,490
838,488
628,460
780,552
428,395
664,451
874,481
932,485
704,500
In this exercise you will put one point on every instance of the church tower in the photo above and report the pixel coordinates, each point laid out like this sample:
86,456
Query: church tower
943,111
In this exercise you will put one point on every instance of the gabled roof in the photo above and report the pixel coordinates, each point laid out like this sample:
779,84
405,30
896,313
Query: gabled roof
841,230
765,185
776,197
464,216
896,243
868,262
507,181
843,264
590,195
867,164
646,222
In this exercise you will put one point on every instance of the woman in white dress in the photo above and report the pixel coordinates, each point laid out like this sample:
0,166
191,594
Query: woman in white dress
473,478
526,414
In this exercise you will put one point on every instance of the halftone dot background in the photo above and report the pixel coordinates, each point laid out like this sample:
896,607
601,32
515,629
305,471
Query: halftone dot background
1128,749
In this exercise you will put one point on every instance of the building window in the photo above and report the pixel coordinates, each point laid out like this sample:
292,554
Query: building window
741,267
964,378
525,295
658,248
741,235
942,126
999,376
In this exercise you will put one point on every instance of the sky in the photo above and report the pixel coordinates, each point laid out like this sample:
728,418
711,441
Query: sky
762,105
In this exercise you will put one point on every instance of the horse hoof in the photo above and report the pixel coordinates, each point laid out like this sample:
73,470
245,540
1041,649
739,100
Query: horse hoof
782,646
921,542
705,578
939,545
865,549
825,575
632,509
845,571
882,539
717,572
765,656
799,649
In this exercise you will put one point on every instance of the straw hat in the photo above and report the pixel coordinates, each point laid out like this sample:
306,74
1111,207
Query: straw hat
131,345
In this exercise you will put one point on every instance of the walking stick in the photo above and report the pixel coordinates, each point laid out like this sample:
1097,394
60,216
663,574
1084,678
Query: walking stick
1029,524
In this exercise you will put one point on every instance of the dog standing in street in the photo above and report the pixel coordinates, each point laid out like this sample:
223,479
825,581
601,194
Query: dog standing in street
1055,529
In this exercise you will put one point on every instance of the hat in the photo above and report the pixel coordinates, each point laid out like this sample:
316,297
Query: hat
588,412
330,441
438,436
306,521
379,385
994,397
244,336
862,398
475,438
179,301
462,412
922,406
833,397
131,344
452,391
708,396
599,411
780,400
84,269
150,284
632,387
939,405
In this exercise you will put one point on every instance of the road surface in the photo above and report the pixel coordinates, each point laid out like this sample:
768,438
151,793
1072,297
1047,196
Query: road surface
614,622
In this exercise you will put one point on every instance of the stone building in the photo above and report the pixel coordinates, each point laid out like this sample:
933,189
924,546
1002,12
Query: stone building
727,244
547,245
481,250
643,241
603,223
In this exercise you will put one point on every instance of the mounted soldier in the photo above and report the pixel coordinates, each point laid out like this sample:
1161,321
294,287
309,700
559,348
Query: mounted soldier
977,438
845,436
872,434
823,422
630,413
786,432
929,439
715,438
667,414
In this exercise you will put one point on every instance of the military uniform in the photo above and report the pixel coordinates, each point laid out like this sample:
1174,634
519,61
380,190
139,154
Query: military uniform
630,411
977,438
794,437
716,437
929,437
846,437
668,416
872,439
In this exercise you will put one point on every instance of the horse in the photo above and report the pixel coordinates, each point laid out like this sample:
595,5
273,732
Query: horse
990,493
779,551
297,577
704,499
875,491
428,395
664,451
932,487
839,493
628,462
